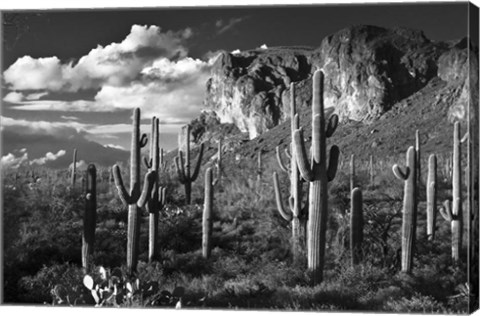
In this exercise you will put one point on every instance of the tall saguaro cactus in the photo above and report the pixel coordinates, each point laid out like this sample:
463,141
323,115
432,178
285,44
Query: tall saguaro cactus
356,225
74,168
207,222
453,212
409,220
418,155
137,198
318,173
352,172
183,167
431,196
218,179
89,217
295,199
157,200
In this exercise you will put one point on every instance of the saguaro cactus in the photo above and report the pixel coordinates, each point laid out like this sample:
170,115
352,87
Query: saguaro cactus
295,199
352,172
318,173
455,226
259,166
157,201
452,212
137,197
431,196
218,179
417,154
409,220
74,168
356,226
207,222
89,217
183,168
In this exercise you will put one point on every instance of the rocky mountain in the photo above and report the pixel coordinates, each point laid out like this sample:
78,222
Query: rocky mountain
368,70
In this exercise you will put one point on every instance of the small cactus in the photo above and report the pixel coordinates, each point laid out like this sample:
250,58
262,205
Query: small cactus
431,196
183,168
318,172
356,226
207,222
409,220
136,198
89,217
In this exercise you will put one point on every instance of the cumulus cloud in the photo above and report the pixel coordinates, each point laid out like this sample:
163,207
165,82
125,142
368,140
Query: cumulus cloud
48,157
69,118
264,46
11,161
14,97
22,126
115,64
235,52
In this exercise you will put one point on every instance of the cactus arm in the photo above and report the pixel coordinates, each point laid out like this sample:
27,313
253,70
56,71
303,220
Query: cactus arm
291,203
464,138
278,199
301,155
199,163
162,196
287,153
332,125
280,161
147,162
333,162
399,173
122,191
148,183
143,140
446,211
179,167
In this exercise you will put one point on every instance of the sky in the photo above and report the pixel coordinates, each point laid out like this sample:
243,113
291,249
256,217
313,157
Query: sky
71,78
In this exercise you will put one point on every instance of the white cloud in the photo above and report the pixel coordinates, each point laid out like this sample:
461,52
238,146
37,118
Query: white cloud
264,46
22,126
173,70
235,52
69,118
14,97
114,146
11,161
80,165
35,96
115,64
227,25
48,157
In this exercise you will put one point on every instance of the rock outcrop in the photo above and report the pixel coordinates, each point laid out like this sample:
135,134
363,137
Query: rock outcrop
368,69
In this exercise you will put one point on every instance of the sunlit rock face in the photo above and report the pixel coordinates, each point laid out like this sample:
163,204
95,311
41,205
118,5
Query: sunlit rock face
367,70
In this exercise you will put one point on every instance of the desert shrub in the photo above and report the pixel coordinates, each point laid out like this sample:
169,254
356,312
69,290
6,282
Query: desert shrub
415,304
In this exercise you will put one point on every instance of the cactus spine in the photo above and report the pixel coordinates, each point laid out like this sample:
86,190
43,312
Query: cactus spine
431,196
136,198
318,174
74,168
183,168
89,217
157,201
409,220
452,212
356,226
207,215
352,172
295,199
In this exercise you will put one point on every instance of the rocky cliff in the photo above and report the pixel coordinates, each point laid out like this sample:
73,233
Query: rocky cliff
368,70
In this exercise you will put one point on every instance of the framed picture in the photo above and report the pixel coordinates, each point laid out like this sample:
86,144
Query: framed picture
279,157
